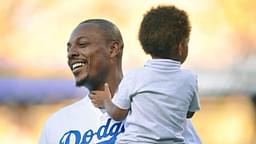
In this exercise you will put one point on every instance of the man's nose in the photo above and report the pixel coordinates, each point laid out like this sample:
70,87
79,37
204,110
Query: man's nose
72,53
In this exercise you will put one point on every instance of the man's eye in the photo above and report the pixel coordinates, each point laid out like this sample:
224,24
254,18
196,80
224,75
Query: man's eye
82,45
68,46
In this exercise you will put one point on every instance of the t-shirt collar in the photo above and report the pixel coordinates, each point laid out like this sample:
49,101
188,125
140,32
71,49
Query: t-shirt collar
163,64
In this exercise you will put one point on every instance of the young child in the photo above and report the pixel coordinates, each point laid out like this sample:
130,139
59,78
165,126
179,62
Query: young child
157,99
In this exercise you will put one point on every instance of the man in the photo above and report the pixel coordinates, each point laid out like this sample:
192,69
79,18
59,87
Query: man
95,57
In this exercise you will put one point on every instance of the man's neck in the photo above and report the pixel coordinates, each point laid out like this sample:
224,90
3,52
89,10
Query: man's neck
114,81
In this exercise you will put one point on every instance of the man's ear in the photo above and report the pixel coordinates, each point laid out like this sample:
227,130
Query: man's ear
114,49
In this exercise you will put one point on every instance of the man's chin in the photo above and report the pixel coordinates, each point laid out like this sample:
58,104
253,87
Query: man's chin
80,83
85,83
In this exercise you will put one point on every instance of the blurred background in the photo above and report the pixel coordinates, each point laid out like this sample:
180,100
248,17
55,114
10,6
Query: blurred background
35,80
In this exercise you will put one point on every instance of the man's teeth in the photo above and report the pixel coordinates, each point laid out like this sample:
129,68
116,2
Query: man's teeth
77,65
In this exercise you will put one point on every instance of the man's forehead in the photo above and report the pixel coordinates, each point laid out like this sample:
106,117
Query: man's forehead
86,29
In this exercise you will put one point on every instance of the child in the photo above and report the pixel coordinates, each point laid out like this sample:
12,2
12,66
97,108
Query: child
156,99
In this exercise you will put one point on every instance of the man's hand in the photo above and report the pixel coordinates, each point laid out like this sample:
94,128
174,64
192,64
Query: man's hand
99,98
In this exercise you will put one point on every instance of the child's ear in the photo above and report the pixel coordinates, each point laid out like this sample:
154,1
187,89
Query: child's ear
114,49
180,49
183,45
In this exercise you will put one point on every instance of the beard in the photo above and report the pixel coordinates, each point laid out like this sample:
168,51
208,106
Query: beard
92,82
81,83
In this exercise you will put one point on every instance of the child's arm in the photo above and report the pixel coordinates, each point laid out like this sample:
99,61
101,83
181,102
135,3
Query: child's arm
194,105
102,99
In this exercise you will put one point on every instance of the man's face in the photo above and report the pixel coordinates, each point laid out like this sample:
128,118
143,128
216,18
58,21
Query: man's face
88,55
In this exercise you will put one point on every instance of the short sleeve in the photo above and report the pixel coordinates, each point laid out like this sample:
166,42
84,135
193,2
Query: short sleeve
122,97
195,104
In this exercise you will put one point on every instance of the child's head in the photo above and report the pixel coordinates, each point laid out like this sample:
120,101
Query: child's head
164,33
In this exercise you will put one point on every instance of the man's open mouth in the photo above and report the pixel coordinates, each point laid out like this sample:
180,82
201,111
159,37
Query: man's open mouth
77,66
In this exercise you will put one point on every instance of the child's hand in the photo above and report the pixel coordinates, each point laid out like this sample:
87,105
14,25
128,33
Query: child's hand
98,98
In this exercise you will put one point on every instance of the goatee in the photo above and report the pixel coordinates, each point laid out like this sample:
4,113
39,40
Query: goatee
88,83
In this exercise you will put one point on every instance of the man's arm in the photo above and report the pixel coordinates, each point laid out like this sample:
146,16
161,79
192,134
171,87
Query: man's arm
102,99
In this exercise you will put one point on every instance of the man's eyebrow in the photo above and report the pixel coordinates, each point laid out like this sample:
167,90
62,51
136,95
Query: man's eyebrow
82,37
77,39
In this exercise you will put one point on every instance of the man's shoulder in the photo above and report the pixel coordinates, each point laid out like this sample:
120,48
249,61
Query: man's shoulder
81,122
76,111
65,112
71,109
57,124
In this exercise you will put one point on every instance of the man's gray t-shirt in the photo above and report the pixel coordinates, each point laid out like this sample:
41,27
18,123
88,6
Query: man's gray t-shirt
159,95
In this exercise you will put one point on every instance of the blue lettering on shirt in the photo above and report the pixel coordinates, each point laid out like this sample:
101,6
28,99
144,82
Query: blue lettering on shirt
104,131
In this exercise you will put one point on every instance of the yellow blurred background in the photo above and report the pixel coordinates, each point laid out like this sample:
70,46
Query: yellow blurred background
33,36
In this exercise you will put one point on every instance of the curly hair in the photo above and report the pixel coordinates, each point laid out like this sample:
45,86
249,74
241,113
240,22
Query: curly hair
163,29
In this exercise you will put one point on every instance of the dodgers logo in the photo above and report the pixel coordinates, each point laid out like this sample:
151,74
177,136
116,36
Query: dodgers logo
106,134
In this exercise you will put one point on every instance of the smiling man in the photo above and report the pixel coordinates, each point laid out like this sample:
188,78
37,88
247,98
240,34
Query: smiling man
95,49
95,57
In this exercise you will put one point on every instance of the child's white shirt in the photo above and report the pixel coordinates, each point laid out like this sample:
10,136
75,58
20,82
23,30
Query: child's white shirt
159,95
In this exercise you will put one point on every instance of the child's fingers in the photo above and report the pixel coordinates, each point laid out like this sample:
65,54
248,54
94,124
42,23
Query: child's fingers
91,96
95,105
95,102
107,90
98,93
